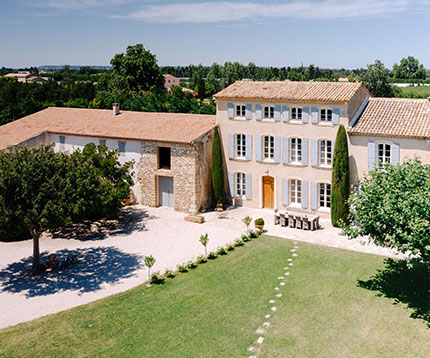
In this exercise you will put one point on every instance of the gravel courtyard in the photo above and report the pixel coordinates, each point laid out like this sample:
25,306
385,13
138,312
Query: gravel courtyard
111,256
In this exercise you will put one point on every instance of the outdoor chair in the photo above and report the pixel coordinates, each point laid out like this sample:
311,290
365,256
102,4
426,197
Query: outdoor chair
299,222
277,217
291,221
283,220
306,223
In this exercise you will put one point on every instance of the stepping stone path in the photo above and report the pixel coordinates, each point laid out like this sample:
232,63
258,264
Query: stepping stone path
261,330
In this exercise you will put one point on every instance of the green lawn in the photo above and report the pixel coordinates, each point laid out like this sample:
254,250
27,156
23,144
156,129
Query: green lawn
327,310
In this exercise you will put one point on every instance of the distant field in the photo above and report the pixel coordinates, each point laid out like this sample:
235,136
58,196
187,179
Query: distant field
414,92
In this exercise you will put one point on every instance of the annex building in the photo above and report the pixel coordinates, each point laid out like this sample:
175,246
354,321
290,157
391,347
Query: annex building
277,139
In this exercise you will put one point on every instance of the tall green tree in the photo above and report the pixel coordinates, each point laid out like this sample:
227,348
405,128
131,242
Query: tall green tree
43,190
377,80
392,208
139,68
409,68
217,167
340,179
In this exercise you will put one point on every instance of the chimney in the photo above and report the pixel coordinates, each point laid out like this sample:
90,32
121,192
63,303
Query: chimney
115,109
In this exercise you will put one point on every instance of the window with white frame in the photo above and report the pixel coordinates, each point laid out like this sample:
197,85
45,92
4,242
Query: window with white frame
326,150
269,147
121,148
240,184
240,146
269,112
296,191
324,195
62,143
296,114
296,151
384,153
240,110
102,142
326,115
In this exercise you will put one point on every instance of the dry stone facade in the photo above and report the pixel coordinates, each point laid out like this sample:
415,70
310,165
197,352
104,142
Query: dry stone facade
190,170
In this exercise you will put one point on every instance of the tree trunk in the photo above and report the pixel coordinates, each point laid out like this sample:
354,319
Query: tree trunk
36,253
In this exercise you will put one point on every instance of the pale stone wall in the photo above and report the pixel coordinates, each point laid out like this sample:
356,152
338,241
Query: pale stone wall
190,170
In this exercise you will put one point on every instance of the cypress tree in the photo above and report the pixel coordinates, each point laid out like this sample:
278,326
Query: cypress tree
340,179
217,168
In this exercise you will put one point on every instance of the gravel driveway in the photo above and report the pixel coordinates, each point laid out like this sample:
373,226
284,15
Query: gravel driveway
111,256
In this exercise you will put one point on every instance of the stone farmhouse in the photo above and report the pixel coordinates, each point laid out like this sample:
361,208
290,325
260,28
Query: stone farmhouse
171,152
277,137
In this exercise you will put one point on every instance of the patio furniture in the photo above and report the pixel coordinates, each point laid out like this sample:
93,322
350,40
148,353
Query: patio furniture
291,221
277,217
283,219
307,224
299,221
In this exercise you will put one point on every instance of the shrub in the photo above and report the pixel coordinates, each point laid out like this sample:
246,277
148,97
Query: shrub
244,238
239,242
169,274
247,221
259,221
217,170
230,247
212,256
253,234
182,268
156,279
192,265
204,239
221,251
201,260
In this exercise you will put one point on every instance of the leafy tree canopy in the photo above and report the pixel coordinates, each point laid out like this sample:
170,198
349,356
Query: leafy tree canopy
392,208
139,68
409,68
377,80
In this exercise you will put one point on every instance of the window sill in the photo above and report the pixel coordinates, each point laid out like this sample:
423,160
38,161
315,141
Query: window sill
269,161
243,119
324,210
295,205
298,164
240,159
326,124
321,166
295,121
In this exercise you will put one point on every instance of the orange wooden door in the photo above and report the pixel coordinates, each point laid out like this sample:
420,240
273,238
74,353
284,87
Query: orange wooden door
268,192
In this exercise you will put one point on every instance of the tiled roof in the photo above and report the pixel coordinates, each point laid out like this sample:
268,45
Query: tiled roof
141,126
323,92
394,117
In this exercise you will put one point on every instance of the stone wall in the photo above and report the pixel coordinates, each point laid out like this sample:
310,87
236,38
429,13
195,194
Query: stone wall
190,169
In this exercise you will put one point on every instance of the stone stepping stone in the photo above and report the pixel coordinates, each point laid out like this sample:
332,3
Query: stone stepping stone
268,315
295,255
252,356
260,340
281,278
260,331
274,309
286,268
266,324
277,288
296,247
291,264
295,242
272,301
282,283
278,295
251,349
287,273
290,260
292,250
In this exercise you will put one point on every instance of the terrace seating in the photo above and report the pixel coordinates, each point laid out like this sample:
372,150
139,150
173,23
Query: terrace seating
296,220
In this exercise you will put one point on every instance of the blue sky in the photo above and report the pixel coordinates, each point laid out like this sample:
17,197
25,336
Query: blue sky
326,33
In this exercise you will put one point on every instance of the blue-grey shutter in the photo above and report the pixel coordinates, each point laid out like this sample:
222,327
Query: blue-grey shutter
248,186
395,153
305,114
258,148
231,184
230,110
284,191
314,195
249,147
248,111
335,116
305,151
371,155
314,115
277,113
285,113
277,149
304,194
314,152
231,145
258,112
285,148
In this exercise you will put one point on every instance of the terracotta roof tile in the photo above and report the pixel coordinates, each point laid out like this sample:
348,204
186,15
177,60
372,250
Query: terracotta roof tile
326,92
141,126
394,117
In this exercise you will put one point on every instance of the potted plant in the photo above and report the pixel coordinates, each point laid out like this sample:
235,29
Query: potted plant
259,224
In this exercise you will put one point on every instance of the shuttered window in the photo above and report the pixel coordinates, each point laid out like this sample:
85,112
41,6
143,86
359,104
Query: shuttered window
269,112
240,184
326,151
241,146
326,115
296,114
324,197
269,147
240,110
384,153
295,191
296,151
62,143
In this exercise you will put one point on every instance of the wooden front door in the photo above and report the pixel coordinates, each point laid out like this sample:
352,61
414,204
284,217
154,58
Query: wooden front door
268,192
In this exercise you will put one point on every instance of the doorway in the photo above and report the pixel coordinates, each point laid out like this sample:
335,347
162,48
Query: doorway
268,192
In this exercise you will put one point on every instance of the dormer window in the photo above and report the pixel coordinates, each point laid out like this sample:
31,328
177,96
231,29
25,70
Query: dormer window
269,112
